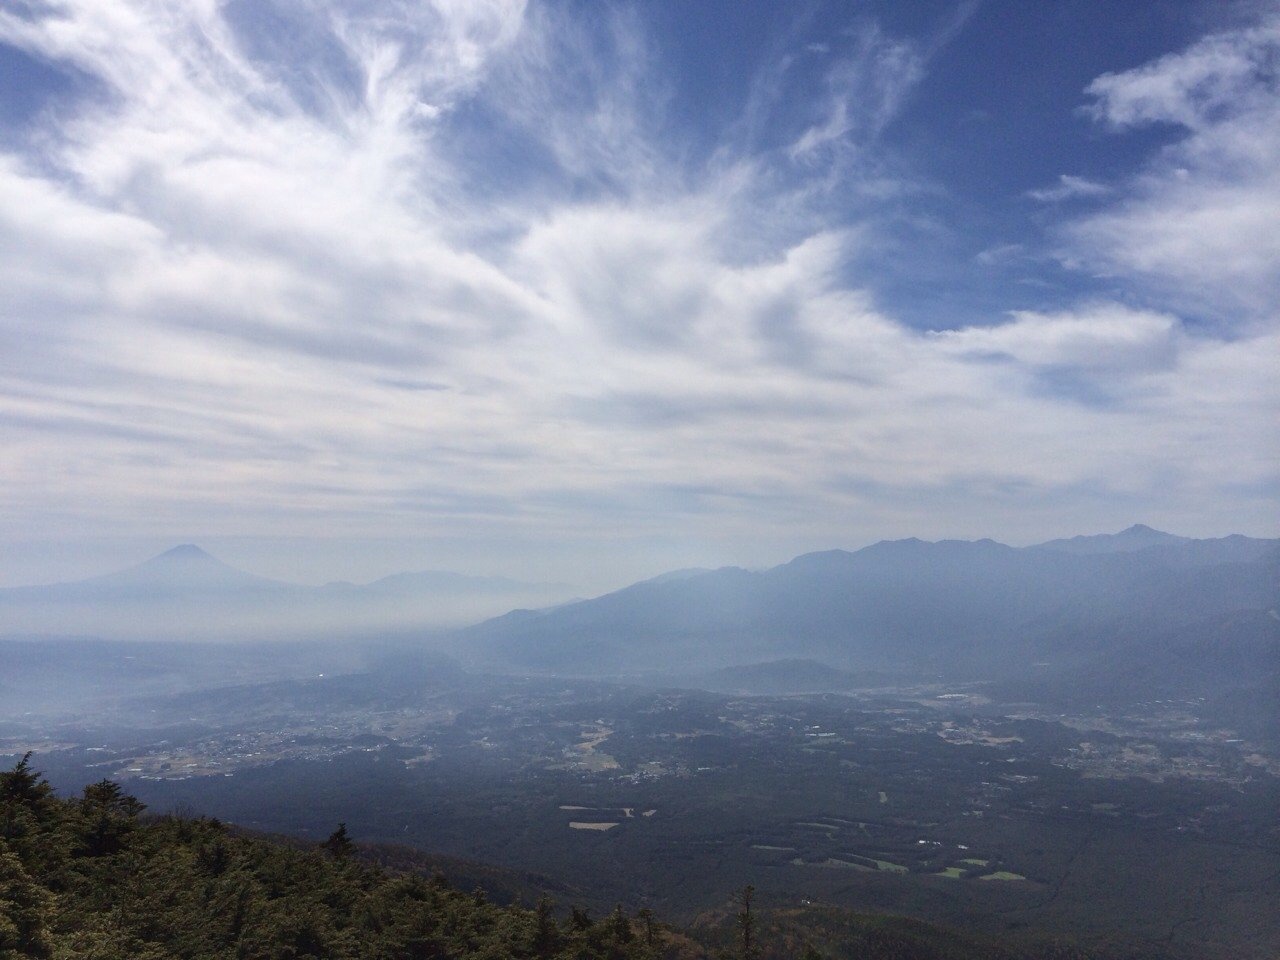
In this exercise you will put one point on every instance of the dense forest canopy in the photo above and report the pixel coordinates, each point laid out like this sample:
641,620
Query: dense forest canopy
93,876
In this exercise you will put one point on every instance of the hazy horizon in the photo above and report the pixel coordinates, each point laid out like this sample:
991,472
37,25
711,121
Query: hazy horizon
285,562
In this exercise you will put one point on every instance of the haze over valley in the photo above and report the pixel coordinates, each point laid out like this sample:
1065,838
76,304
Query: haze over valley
1135,614
962,731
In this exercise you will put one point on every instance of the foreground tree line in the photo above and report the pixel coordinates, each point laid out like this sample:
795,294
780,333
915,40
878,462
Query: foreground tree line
89,877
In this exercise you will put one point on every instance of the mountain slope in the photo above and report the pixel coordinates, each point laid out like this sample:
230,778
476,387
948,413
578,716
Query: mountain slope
185,570
980,607
187,594
1166,547
1137,537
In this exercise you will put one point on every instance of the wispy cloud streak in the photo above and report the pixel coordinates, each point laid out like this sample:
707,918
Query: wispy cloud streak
230,265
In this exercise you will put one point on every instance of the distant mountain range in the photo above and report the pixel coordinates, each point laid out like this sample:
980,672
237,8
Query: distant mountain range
1122,614
184,571
1137,537
1132,614
187,594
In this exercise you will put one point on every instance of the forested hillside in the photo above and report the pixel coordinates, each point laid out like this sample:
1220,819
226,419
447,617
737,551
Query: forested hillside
93,877
89,878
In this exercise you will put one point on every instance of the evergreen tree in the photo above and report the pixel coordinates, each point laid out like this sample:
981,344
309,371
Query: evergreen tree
620,926
107,816
26,910
339,843
546,935
31,819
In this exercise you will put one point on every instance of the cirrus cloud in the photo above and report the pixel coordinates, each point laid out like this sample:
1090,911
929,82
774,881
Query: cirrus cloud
230,266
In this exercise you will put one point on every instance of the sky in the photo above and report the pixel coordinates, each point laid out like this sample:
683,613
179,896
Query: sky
586,291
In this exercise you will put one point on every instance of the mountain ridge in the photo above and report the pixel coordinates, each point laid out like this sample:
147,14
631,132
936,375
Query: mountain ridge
185,592
924,602
966,608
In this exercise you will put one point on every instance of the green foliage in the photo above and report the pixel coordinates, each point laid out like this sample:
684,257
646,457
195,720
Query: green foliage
620,926
546,934
26,910
646,918
829,933
106,816
31,822
90,878
339,843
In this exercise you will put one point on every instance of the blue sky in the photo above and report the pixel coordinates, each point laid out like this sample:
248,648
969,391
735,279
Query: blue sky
583,291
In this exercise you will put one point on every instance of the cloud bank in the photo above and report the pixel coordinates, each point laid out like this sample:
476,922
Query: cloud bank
447,268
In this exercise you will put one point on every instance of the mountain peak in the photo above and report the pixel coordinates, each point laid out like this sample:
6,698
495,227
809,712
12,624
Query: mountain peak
185,551
1137,537
186,567
1142,530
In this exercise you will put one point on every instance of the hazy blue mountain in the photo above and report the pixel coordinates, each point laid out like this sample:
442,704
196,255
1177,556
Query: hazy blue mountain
187,594
977,608
682,574
1230,661
184,570
1166,547
1096,609
1137,537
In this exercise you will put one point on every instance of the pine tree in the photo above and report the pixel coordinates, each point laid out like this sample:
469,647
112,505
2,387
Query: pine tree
31,819
339,843
108,815
26,911
620,926
546,935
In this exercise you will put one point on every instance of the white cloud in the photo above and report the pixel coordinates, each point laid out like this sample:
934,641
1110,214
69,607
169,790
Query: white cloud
1198,224
1102,337
1069,188
1001,254
865,90
1223,75
221,297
